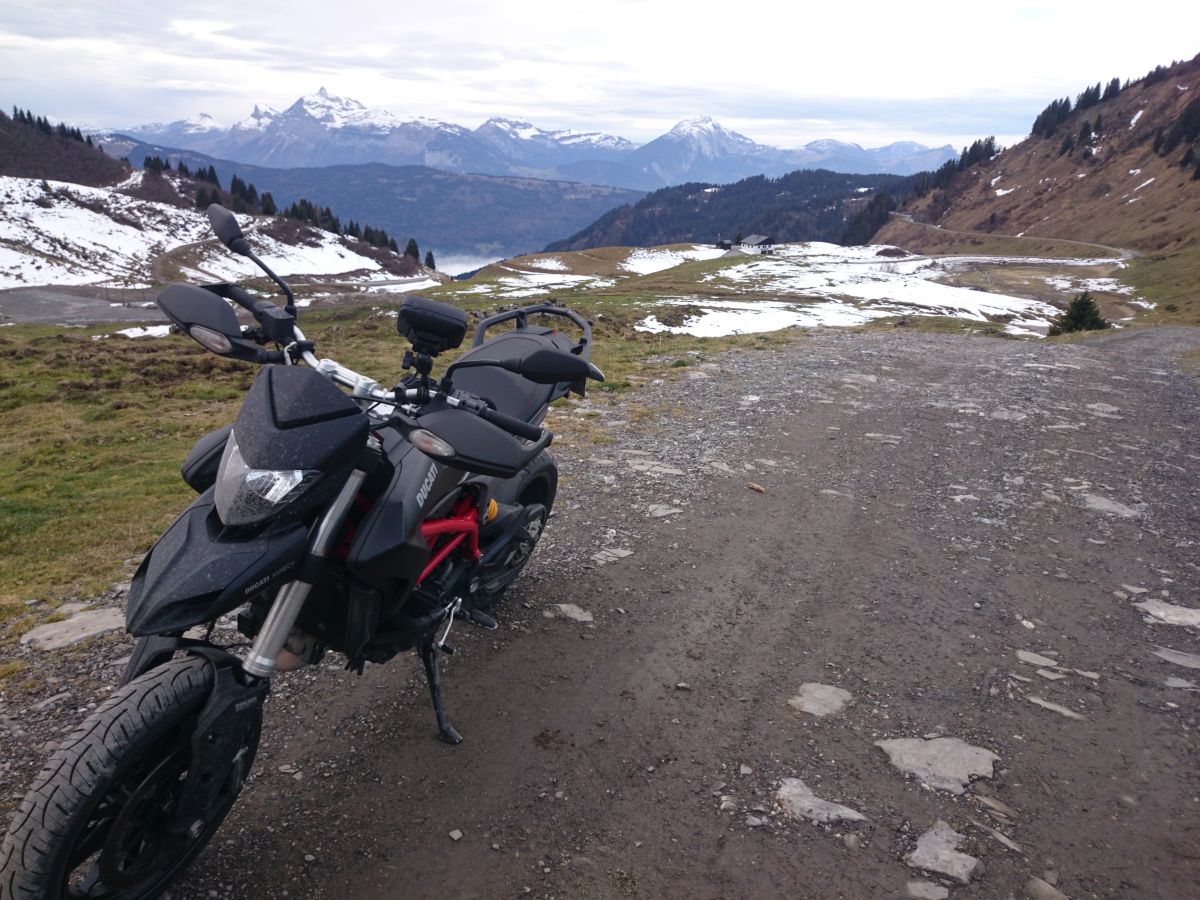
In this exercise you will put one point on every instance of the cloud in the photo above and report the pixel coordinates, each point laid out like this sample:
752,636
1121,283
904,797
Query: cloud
868,71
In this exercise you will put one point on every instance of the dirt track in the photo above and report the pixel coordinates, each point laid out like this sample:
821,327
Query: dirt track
926,515
932,505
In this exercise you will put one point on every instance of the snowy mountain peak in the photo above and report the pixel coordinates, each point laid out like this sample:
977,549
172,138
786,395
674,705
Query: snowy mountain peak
336,112
202,122
514,127
698,125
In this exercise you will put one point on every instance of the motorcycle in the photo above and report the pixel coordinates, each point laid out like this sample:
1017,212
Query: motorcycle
332,515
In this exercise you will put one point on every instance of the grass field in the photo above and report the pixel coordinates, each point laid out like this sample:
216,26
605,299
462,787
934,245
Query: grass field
93,428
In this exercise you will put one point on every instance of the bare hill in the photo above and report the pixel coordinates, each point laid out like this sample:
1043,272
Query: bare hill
1110,173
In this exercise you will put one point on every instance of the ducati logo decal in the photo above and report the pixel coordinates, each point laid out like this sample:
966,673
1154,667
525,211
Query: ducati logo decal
427,485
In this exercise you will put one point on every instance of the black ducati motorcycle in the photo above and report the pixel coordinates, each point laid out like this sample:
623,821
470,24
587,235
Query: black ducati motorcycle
333,514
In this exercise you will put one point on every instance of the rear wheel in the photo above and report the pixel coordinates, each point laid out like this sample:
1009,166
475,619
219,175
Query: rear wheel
496,580
95,823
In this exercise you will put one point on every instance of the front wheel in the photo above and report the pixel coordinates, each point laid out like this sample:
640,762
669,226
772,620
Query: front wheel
94,824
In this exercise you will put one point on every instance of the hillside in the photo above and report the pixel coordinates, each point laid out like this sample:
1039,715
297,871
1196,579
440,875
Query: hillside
1110,173
801,206
30,151
448,212
60,233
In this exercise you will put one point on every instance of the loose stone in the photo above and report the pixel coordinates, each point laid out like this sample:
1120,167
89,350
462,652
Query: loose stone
799,802
820,699
943,763
937,851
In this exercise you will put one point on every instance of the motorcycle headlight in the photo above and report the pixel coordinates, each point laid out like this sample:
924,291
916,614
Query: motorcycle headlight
245,495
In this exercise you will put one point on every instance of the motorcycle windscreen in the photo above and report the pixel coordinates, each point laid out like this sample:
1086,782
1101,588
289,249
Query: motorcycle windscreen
198,570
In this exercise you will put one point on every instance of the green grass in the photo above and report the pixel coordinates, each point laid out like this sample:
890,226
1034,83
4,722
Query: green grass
92,433
1173,282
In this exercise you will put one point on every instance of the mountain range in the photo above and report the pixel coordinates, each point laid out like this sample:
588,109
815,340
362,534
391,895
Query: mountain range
451,212
322,129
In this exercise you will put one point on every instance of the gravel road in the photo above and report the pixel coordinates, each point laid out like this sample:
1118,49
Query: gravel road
955,532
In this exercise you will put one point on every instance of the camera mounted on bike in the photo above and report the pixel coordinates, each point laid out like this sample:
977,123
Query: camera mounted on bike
430,327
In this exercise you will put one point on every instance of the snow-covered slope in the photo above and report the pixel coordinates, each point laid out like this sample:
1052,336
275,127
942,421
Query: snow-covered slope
56,233
72,234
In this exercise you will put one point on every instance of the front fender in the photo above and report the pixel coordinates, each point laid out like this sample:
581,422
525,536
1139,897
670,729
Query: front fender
199,569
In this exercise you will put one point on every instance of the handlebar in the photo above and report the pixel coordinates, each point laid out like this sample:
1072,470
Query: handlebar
511,425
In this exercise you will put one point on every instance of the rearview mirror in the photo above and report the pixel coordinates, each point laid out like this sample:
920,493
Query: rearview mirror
208,320
548,366
224,224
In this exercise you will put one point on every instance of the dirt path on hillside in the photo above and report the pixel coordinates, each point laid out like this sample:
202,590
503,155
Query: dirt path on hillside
931,505
1121,252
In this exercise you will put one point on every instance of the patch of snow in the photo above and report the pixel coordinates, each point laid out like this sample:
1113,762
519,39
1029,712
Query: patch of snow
423,284
1143,184
1135,171
1000,192
550,264
649,261
1137,115
145,331
720,318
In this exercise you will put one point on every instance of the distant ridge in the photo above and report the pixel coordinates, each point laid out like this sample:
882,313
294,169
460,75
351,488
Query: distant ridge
802,206
322,129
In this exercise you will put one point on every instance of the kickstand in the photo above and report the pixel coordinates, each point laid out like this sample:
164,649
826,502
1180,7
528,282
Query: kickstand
429,657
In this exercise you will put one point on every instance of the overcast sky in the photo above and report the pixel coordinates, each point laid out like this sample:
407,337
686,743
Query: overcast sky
778,72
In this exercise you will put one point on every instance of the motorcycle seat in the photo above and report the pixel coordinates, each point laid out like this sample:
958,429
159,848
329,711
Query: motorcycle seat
510,393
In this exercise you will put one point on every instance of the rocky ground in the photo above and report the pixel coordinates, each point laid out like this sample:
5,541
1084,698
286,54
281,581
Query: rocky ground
869,615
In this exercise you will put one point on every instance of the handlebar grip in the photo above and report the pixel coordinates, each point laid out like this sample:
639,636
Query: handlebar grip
511,425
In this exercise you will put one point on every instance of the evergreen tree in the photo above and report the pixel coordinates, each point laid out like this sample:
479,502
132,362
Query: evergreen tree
410,249
1068,144
392,245
201,198
1114,88
268,204
429,263
1082,315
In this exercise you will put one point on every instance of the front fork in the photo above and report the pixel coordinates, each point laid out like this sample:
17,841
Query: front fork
261,660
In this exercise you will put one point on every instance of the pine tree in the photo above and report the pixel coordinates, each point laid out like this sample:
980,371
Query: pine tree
1114,88
429,263
1082,315
201,198
268,204
411,249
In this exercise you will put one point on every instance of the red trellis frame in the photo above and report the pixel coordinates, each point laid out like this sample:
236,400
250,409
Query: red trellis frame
461,525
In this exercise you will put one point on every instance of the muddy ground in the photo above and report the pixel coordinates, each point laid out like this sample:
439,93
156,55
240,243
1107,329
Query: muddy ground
930,506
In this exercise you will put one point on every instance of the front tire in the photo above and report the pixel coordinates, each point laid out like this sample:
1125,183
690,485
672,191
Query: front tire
93,824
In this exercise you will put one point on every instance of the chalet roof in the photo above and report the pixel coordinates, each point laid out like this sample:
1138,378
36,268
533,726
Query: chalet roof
755,239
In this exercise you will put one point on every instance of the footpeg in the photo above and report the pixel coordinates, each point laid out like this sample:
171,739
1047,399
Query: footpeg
475,617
